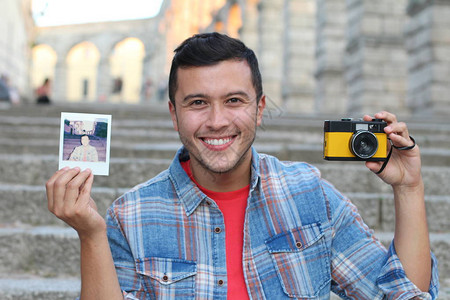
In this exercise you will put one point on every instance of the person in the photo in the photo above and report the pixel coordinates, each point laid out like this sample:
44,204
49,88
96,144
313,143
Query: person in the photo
85,152
226,222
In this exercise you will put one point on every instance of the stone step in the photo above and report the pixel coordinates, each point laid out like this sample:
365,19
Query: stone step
27,204
120,111
13,287
127,172
284,150
160,118
163,132
54,251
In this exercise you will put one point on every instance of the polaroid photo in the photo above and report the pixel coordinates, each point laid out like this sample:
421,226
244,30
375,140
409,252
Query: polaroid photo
85,141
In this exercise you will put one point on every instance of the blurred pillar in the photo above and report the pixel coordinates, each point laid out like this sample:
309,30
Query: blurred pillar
375,56
59,84
428,46
104,80
271,48
331,92
299,55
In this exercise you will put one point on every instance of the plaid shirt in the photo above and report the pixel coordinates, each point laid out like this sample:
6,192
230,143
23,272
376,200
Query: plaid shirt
302,239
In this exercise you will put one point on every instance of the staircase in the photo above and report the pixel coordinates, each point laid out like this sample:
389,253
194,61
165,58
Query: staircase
39,254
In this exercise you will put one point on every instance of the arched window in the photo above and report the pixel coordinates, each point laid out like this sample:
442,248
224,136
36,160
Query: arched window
43,63
82,66
126,63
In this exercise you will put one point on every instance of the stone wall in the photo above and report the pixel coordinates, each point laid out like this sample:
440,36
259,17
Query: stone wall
375,57
342,57
428,46
16,33
104,36
331,89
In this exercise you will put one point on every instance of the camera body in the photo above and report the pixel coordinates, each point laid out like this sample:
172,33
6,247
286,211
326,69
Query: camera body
350,140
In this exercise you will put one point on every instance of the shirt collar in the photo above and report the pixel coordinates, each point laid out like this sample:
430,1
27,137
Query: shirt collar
188,192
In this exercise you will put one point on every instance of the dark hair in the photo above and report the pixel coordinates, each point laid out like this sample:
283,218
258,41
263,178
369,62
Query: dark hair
207,49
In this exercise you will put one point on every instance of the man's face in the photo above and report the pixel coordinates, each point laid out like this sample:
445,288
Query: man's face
216,114
84,140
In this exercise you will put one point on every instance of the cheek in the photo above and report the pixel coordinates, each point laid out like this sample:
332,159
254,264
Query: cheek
189,124
246,120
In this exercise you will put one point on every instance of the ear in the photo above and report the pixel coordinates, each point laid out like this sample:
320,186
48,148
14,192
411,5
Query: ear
173,114
261,106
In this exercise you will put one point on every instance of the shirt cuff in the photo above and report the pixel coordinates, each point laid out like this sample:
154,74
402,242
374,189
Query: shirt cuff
396,285
128,296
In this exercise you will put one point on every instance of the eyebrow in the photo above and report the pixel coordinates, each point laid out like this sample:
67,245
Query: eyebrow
204,96
192,96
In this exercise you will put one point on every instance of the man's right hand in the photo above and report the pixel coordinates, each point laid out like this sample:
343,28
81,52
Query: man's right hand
69,198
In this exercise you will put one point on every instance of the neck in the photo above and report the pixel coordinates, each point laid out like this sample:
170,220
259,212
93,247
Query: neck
232,180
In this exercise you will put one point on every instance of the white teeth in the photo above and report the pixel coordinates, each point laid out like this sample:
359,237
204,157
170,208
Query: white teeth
217,142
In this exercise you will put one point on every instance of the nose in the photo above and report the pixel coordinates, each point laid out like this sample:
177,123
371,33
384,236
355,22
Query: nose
217,118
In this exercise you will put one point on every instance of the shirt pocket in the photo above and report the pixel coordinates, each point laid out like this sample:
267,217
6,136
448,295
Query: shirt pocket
301,260
168,278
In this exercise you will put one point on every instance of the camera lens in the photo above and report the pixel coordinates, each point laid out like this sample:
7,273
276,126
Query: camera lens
364,144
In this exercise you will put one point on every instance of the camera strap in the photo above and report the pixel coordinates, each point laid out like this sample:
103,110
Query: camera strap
390,152
387,160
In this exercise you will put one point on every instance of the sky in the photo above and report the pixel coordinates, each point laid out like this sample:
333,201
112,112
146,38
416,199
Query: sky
63,12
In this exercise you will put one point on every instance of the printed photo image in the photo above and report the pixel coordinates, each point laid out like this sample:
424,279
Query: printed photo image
85,141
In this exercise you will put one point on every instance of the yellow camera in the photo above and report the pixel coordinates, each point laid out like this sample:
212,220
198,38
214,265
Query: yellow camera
350,139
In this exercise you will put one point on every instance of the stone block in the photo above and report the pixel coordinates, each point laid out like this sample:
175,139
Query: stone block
36,288
43,251
372,25
420,57
27,204
440,53
438,208
419,39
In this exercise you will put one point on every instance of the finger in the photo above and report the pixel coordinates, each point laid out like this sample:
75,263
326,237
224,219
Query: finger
400,140
74,187
49,186
399,128
60,187
85,192
374,166
386,116
368,118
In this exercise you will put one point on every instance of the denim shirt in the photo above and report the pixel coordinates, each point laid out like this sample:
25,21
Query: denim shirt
302,239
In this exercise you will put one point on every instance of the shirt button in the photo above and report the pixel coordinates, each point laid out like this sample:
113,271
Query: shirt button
220,282
298,244
217,230
165,278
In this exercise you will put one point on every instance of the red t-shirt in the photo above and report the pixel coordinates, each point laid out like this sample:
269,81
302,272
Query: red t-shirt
232,205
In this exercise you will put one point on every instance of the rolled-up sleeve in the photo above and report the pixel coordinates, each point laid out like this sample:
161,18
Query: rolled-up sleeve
362,268
396,285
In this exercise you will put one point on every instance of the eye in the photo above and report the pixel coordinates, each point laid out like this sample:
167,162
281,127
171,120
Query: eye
234,100
197,102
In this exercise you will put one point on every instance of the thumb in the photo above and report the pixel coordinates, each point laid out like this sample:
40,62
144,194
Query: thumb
85,193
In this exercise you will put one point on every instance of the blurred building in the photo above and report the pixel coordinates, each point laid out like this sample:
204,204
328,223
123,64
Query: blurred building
16,40
342,57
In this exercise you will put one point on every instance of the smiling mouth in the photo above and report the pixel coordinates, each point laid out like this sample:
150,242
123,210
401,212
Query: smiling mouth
218,142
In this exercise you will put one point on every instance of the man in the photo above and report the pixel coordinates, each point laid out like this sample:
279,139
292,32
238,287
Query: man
225,222
85,152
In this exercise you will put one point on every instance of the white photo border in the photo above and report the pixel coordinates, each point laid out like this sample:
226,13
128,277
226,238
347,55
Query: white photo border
98,168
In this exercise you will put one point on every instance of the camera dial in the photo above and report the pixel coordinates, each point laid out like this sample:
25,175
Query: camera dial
364,144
